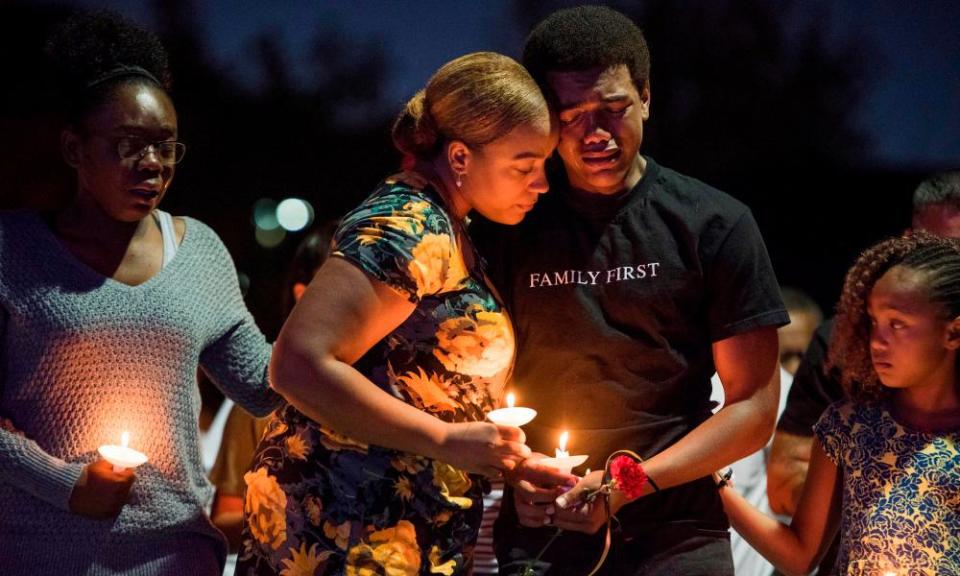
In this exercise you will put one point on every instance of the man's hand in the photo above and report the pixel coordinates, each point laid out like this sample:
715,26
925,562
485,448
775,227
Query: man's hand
583,509
535,488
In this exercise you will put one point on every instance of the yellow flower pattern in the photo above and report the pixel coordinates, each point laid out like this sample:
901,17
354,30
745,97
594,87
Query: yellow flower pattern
265,508
339,534
304,562
404,488
297,447
436,265
429,391
313,507
438,567
336,442
453,484
479,343
326,502
391,552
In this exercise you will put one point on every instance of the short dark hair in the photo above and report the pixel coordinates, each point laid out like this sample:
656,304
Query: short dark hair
797,300
93,52
584,38
943,188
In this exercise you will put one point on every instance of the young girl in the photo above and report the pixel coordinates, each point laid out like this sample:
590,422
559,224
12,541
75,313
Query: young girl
886,468
107,307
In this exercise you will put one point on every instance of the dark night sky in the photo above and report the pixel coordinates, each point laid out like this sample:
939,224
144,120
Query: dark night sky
912,113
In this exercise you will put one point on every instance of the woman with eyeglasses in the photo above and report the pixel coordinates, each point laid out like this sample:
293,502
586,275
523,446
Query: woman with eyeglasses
107,308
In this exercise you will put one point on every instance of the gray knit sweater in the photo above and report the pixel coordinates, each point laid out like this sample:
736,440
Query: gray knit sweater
85,357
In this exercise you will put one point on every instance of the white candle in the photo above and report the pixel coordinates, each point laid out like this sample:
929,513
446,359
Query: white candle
122,457
512,416
562,460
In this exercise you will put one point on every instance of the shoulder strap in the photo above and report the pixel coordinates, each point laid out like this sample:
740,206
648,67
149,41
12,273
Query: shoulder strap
169,234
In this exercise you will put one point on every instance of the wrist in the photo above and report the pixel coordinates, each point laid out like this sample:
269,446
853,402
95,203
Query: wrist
723,479
630,478
618,500
438,437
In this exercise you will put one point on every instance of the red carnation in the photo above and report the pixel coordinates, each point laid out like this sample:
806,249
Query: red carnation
628,476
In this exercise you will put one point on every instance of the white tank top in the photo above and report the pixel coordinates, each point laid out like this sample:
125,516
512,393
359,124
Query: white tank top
169,234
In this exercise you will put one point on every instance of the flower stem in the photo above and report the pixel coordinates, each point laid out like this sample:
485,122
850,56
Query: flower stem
530,570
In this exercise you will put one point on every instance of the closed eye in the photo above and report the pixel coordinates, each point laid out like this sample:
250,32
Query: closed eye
569,117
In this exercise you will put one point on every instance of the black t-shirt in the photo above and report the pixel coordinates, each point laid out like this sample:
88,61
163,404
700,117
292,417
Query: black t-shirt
616,303
814,388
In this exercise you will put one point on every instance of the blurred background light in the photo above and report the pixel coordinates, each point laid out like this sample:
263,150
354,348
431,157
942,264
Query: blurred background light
265,214
270,238
294,214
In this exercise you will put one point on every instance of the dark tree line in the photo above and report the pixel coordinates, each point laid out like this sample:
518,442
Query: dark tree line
747,95
752,97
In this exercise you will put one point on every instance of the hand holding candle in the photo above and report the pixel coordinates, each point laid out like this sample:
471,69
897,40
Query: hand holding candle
512,416
100,492
122,457
563,461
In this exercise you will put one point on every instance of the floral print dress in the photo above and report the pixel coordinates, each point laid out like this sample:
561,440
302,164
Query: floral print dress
901,493
319,503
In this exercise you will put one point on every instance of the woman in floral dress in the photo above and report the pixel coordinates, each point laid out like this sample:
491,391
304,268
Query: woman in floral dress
399,348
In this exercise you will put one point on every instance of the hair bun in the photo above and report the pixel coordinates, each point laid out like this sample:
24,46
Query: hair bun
414,131
93,50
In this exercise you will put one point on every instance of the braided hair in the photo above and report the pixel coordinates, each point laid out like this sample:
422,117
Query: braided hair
935,257
92,53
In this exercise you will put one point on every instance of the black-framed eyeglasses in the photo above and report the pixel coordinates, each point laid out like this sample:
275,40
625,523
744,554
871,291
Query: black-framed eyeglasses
169,152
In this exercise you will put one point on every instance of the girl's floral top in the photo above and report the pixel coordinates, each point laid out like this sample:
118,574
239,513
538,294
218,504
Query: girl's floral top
318,502
901,492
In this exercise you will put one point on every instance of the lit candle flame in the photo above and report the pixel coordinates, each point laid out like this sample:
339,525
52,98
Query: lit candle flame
124,438
563,440
511,400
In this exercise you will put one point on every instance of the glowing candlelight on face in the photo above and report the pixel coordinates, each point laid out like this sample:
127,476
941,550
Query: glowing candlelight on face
122,457
563,461
512,416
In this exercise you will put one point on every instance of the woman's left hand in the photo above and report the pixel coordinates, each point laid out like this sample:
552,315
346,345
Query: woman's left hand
576,514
